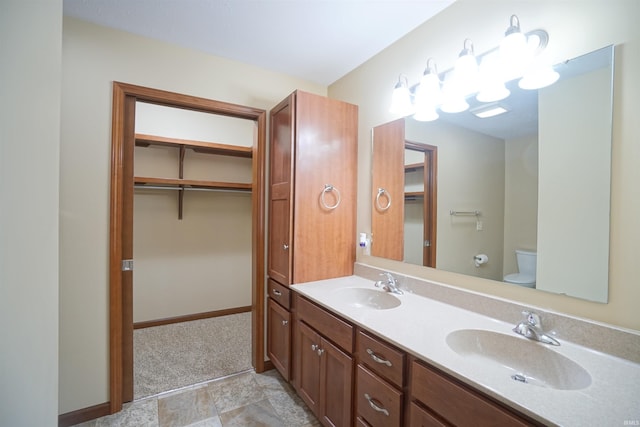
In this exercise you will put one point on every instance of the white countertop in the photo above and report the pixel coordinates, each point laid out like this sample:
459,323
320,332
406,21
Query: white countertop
420,327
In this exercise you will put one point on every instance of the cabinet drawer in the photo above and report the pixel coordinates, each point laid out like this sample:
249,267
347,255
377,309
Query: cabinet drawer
455,403
279,293
377,402
381,358
421,418
336,330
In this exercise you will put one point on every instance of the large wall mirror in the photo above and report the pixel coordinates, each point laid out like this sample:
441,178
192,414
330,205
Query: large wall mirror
522,197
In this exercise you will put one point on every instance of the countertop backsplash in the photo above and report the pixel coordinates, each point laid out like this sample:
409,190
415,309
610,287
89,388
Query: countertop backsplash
609,339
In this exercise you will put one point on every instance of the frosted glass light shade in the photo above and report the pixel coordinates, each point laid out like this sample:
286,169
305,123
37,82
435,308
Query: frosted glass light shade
492,86
453,97
401,101
426,113
539,77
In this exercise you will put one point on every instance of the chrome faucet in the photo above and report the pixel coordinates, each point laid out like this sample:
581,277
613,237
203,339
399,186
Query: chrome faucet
531,328
389,285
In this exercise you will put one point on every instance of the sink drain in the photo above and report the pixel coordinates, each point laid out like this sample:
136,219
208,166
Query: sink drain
519,377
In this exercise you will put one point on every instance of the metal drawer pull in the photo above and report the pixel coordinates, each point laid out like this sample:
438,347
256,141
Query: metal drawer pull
276,292
285,322
375,405
377,358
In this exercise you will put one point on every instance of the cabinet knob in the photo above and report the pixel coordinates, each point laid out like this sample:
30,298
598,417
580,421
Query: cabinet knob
314,347
375,405
320,351
285,322
285,247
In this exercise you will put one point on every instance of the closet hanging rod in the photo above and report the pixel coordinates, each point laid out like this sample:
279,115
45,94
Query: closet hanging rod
159,187
474,213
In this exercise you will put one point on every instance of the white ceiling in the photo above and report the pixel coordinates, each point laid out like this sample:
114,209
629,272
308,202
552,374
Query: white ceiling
316,40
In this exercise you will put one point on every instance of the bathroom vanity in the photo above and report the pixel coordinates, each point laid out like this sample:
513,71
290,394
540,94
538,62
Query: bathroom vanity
362,356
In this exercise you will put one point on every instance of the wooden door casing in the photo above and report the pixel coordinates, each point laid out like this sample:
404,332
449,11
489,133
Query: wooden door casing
121,219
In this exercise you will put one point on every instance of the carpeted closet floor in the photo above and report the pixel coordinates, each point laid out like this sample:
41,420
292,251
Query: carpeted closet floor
172,356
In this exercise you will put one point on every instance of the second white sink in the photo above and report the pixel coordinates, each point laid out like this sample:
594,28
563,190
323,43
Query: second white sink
524,360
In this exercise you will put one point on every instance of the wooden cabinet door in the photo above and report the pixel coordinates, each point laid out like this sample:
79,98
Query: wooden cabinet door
336,370
387,211
307,378
279,337
325,154
280,191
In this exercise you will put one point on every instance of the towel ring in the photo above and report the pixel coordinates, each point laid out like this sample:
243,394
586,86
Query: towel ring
328,188
381,192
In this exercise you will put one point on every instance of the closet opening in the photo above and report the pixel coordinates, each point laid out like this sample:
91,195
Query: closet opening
186,234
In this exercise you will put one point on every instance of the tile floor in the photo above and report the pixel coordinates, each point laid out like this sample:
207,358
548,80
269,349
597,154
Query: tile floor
245,399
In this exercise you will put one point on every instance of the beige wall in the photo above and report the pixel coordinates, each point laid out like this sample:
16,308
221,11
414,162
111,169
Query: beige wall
470,177
575,27
29,152
201,262
93,57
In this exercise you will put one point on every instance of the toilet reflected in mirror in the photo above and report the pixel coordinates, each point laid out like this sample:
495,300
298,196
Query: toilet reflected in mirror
526,275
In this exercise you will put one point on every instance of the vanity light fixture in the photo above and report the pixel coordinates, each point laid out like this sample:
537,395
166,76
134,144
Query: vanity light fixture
401,98
539,76
465,73
517,57
428,94
492,80
514,51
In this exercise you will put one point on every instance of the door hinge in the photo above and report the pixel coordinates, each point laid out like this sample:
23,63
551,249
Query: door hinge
427,243
127,265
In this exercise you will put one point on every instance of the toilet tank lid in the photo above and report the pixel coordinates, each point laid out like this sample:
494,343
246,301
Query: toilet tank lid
519,278
523,252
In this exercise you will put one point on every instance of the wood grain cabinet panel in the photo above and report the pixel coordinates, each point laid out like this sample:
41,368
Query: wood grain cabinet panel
377,402
458,404
336,329
324,376
279,337
418,417
313,144
312,213
381,358
278,293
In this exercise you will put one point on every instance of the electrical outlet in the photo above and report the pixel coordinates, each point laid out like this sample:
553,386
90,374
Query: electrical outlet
478,225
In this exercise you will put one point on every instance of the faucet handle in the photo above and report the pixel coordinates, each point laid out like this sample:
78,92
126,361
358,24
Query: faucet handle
532,318
389,276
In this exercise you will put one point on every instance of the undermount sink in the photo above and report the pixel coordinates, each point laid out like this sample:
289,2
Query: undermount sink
370,298
524,360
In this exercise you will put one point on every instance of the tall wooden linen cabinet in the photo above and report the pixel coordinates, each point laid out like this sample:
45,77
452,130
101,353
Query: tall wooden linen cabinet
312,205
